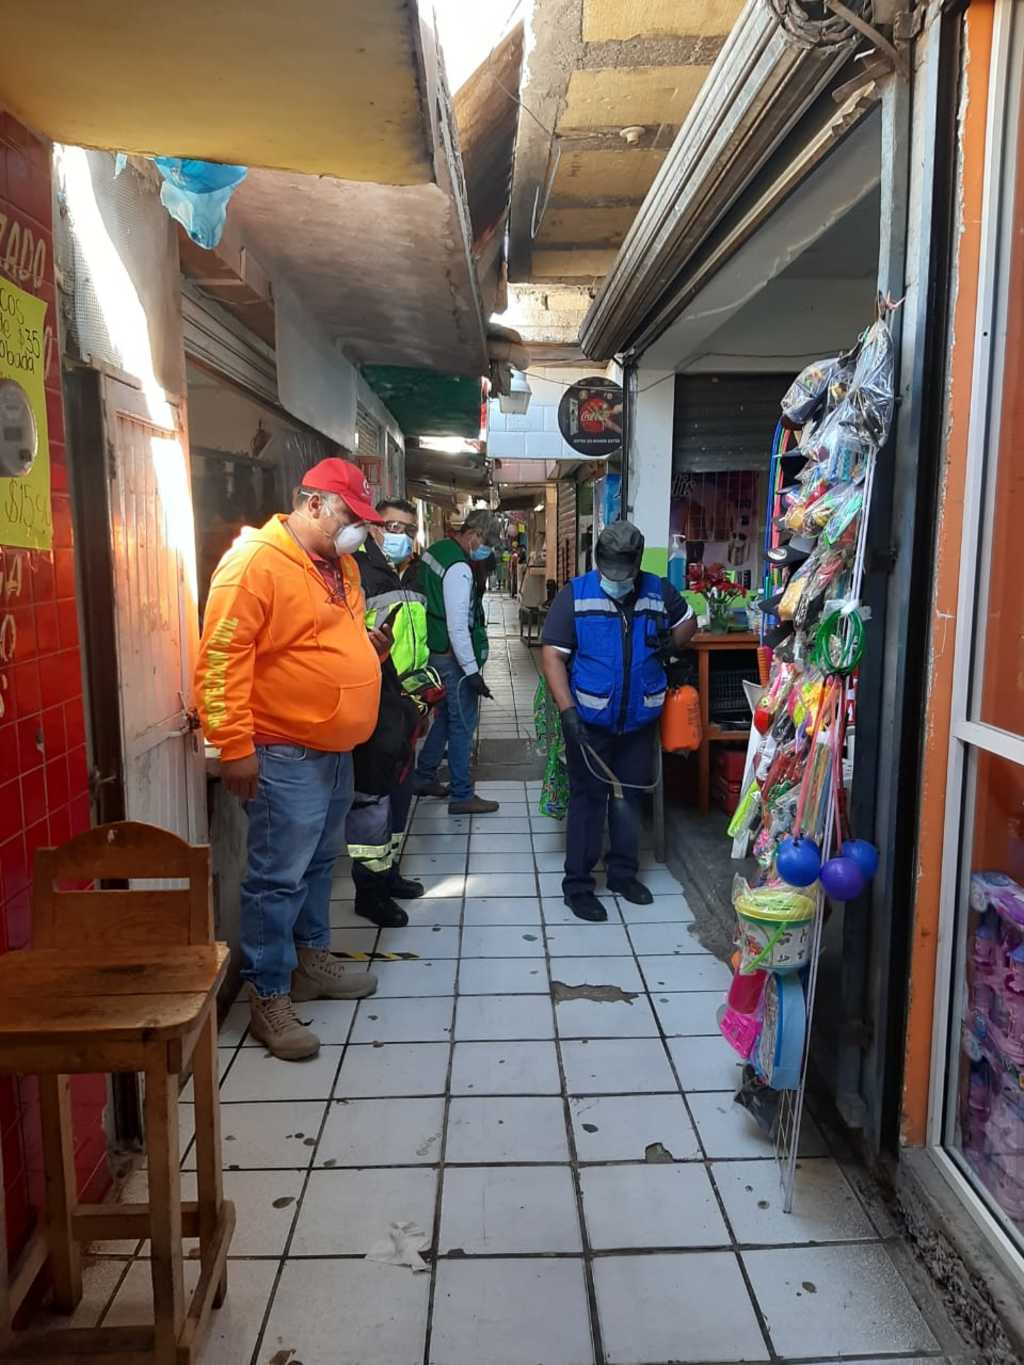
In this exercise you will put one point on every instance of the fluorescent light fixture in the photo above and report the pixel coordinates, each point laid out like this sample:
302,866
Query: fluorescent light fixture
517,401
448,445
539,507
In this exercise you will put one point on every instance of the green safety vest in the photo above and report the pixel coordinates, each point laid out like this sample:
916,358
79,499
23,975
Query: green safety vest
409,649
434,565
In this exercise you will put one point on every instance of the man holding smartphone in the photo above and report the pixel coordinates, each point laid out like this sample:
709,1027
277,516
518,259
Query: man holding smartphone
397,621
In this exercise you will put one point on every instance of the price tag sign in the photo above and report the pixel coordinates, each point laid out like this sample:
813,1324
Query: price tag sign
26,518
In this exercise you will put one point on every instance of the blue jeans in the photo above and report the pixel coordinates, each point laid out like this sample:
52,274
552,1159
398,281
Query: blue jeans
454,724
296,832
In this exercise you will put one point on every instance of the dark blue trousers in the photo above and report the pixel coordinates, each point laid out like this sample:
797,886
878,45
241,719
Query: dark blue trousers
631,759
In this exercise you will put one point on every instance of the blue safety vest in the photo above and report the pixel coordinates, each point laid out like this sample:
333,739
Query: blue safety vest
617,678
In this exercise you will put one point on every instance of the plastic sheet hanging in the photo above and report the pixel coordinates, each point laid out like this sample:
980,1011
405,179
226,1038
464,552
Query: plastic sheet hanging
196,194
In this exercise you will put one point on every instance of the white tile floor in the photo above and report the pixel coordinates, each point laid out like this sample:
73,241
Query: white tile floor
590,1192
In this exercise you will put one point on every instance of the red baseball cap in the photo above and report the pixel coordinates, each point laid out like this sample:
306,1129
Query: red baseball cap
348,481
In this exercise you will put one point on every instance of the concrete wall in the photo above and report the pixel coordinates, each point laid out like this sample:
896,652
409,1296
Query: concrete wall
649,485
804,318
535,435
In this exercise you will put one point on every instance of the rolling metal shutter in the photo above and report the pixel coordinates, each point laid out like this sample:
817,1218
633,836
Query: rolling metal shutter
725,422
370,452
217,339
566,561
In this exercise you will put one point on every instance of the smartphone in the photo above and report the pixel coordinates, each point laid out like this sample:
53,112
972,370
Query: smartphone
388,622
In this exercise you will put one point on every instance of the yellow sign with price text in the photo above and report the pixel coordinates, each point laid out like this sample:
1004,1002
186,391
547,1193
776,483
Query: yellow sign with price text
26,517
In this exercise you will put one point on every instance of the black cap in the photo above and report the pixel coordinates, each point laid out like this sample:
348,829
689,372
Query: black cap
619,550
795,551
779,634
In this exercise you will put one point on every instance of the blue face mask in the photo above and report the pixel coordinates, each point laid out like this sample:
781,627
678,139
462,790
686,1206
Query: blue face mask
481,552
397,546
616,588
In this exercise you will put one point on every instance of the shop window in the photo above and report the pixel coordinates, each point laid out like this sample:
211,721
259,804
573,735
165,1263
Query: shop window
998,697
987,1119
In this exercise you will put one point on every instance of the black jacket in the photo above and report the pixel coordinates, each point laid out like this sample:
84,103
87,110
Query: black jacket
381,761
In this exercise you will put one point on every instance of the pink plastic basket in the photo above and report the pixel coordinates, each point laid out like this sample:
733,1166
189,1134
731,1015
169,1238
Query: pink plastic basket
740,1031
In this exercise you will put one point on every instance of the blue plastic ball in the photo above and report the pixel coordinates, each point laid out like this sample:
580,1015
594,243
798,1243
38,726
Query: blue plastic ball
798,861
842,879
865,855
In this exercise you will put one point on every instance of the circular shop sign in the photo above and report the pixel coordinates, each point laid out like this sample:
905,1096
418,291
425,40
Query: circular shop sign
590,417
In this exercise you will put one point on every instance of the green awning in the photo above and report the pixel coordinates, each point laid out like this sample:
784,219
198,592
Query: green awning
426,403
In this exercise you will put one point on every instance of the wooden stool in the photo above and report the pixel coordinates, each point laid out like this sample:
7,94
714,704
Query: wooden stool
119,981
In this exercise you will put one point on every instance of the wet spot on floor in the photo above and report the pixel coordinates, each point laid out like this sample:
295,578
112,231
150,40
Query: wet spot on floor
530,938
656,1153
284,1201
763,1204
809,1287
332,1162
590,1128
309,1142
607,995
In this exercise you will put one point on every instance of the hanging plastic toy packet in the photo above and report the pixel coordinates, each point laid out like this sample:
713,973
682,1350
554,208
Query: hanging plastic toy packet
808,391
847,510
871,393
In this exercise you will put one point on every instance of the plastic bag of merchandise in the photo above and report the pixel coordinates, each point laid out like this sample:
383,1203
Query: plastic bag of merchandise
808,391
872,395
829,564
845,446
760,1101
845,514
813,487
794,590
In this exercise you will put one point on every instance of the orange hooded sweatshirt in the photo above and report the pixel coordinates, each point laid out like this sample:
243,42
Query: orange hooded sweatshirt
278,657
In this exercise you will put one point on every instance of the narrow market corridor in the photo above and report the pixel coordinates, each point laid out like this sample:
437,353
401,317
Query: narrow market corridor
547,1108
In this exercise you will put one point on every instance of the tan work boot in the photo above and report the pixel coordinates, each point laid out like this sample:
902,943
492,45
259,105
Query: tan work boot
476,805
319,976
273,1021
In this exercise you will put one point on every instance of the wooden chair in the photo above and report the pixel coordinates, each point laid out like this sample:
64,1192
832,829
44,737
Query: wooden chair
119,981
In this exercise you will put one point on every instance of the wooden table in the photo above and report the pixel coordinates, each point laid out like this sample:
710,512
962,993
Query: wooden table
704,645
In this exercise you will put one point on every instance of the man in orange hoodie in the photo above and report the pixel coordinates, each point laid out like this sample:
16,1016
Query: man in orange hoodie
288,682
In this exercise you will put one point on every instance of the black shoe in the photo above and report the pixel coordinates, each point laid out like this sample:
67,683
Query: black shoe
433,788
633,891
382,911
404,888
585,905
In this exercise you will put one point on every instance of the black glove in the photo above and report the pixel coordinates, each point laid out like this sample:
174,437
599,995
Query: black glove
571,725
475,683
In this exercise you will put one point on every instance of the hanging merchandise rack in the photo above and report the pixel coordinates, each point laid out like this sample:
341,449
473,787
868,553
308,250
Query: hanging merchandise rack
793,805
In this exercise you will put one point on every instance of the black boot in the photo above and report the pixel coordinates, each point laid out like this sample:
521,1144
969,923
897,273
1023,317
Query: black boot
631,890
404,888
585,905
378,907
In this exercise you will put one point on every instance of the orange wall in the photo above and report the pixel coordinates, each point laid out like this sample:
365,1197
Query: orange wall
932,813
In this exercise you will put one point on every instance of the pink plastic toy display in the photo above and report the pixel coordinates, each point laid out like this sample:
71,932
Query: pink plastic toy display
992,1097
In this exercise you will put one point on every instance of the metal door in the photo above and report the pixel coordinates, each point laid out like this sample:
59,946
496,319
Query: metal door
152,546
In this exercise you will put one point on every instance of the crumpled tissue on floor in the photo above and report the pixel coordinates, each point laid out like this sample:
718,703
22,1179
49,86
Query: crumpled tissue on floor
402,1246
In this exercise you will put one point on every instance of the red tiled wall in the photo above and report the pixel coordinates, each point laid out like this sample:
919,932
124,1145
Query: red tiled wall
44,796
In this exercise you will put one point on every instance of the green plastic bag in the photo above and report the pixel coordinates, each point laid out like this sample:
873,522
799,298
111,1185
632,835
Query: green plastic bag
554,793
